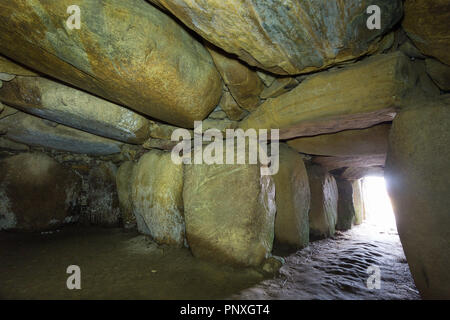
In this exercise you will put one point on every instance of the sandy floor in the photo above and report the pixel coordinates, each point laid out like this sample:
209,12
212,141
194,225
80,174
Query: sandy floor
119,265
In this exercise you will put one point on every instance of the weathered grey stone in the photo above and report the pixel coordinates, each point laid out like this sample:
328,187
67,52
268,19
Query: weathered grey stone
157,199
229,213
128,52
346,210
74,108
24,128
292,200
287,37
124,181
6,144
346,143
324,203
36,192
418,175
102,200
374,90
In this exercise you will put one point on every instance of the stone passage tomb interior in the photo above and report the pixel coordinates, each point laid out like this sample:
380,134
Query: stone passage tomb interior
212,149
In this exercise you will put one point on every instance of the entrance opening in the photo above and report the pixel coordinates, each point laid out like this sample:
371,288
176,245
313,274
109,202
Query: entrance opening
378,207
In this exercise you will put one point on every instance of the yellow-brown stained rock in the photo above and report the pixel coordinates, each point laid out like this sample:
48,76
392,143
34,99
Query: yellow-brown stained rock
231,108
355,97
229,212
278,87
244,84
346,143
128,52
75,108
124,182
156,195
427,23
7,66
289,36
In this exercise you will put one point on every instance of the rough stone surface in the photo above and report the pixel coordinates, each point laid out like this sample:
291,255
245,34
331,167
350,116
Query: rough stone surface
157,199
333,163
28,129
244,84
9,67
128,52
355,173
287,37
231,107
346,210
373,90
346,143
124,182
292,200
36,192
278,87
74,108
102,200
358,202
426,23
324,203
417,174
229,213
440,73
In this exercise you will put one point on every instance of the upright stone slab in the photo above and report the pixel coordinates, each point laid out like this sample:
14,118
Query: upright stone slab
124,182
229,212
346,211
36,192
292,200
324,203
358,202
418,175
157,197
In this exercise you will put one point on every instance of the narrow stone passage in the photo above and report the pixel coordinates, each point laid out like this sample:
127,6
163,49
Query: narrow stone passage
337,268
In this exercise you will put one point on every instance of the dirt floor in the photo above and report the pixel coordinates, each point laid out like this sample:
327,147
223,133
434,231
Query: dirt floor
121,265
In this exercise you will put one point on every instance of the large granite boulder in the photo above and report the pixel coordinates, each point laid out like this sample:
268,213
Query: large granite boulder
36,192
292,200
346,210
156,195
287,37
28,129
324,203
229,212
426,23
346,143
417,174
355,97
74,108
128,52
